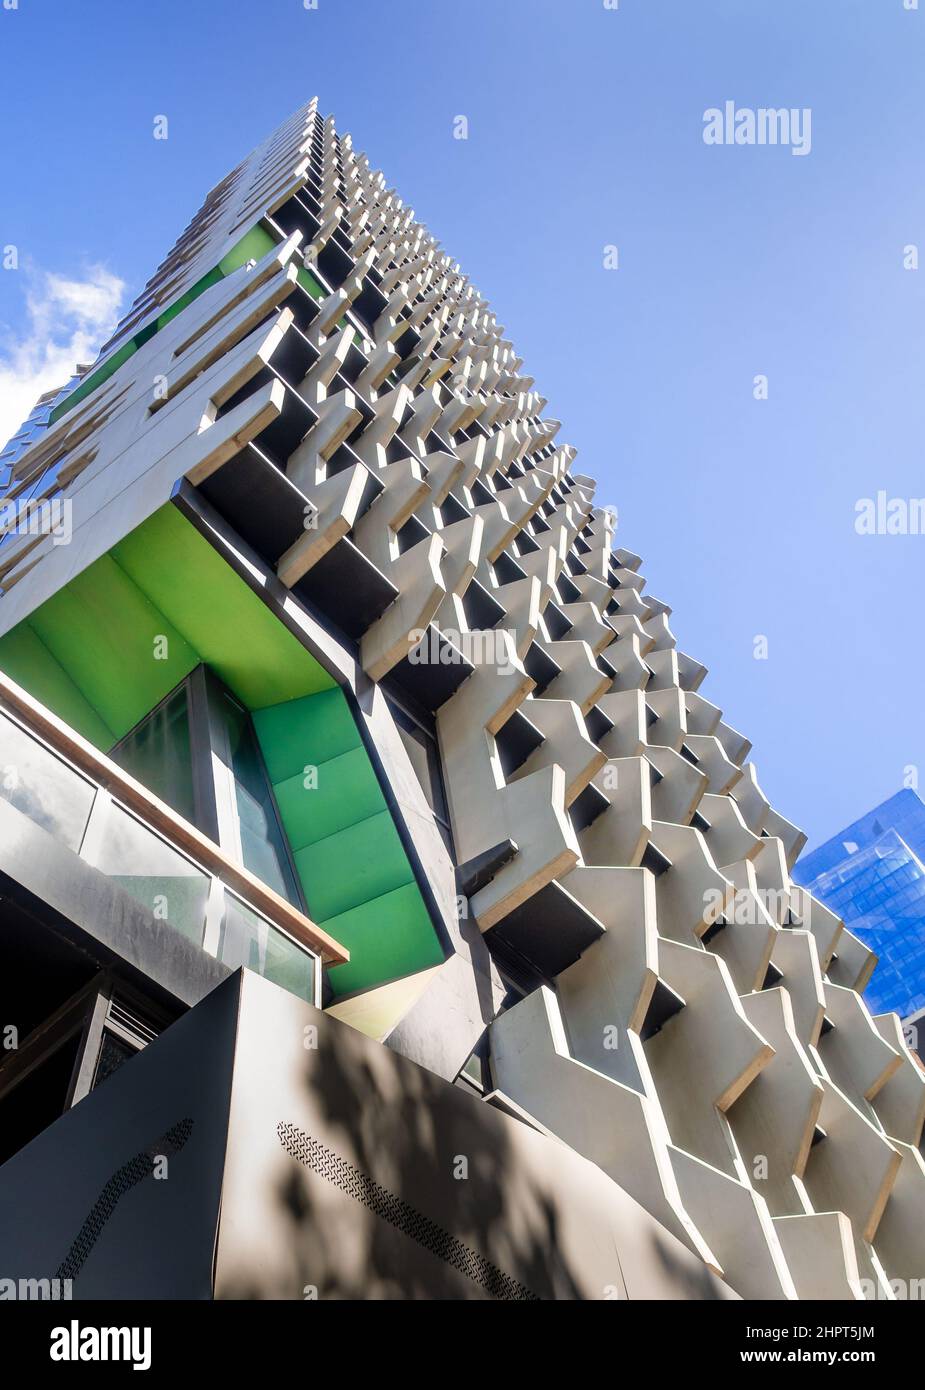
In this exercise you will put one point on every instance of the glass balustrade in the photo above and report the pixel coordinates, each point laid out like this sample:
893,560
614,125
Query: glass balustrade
85,818
248,939
168,884
43,787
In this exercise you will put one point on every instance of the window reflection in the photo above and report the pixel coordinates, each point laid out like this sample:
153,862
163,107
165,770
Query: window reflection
248,939
42,787
263,849
157,754
160,878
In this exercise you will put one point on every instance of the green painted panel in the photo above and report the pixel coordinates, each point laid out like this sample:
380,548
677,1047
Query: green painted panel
88,652
252,246
95,379
308,282
344,790
362,862
387,938
305,732
180,304
108,637
348,854
27,661
223,620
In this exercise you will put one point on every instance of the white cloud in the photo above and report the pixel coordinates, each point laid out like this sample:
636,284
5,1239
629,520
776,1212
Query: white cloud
68,321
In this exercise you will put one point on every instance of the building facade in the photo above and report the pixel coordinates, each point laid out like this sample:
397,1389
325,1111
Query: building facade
871,874
368,854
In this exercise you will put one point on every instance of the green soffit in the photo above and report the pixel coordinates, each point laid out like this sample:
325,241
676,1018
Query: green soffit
356,876
104,649
252,246
111,644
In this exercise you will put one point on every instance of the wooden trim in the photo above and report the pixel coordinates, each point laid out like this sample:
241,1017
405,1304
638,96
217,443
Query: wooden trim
166,822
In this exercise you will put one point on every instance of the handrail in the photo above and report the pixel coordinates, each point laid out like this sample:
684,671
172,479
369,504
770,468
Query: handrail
167,822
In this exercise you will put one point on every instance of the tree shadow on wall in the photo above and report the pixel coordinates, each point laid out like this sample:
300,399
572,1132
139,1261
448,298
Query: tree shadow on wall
376,1205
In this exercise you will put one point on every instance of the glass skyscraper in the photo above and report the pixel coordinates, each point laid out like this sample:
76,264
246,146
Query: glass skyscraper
873,875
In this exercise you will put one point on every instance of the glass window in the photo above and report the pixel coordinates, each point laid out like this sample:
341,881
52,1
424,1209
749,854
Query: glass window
154,873
43,787
248,939
157,754
197,751
263,849
421,748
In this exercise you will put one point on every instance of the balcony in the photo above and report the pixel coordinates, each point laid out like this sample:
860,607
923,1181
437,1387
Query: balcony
95,809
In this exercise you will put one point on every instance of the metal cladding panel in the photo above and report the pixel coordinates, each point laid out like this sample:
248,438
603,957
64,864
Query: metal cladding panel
339,1169
354,1173
122,1193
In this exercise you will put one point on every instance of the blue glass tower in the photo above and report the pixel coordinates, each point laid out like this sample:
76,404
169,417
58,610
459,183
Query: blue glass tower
872,874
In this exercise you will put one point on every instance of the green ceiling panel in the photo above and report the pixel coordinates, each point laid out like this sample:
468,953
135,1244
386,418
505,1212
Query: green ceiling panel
358,863
95,379
27,661
253,246
120,651
230,627
349,857
387,938
305,732
308,282
91,653
177,307
338,793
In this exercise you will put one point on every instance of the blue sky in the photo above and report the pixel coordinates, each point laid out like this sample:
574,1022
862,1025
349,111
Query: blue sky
585,130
